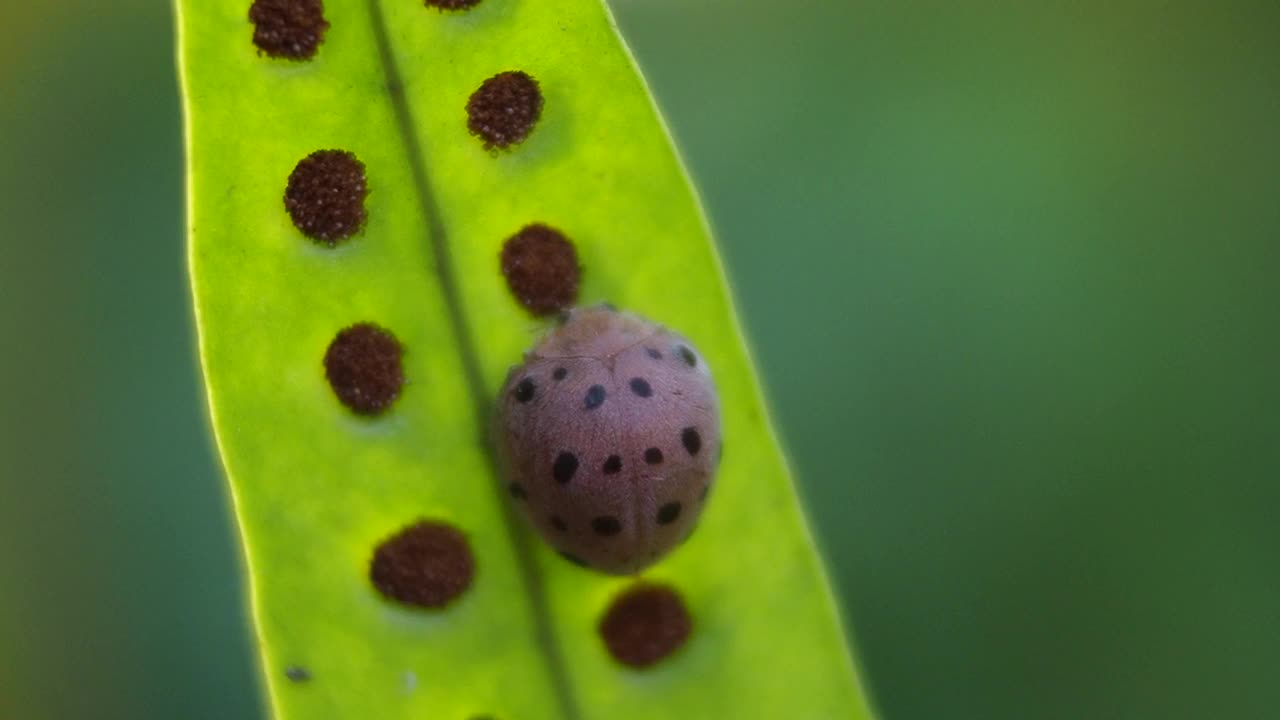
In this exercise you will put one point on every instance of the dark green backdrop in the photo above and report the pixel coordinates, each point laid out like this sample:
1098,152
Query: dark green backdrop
1011,272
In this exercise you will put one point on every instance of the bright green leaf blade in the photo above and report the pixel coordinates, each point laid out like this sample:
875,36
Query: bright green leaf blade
316,487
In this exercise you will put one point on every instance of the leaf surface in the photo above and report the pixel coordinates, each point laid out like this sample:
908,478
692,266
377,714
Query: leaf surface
316,486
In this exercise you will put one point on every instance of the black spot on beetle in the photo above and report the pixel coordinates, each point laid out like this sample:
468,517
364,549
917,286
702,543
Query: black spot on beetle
691,440
524,390
503,111
612,465
288,29
606,525
640,387
653,456
687,356
594,397
559,374
653,353
564,467
668,513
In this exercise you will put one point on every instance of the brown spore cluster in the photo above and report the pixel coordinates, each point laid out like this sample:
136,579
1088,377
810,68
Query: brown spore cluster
644,624
503,111
325,196
363,366
541,268
288,29
450,5
428,564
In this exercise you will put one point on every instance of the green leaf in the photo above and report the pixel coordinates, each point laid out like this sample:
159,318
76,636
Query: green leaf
316,486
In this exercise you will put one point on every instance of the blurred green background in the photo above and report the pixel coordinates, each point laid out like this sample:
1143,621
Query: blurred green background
1011,270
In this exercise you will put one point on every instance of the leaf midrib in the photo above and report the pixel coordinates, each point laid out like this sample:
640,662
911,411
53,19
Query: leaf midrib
482,406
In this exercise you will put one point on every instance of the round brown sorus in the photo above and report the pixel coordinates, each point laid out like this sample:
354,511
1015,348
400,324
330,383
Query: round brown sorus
503,111
541,267
452,4
428,564
644,624
325,196
363,367
290,29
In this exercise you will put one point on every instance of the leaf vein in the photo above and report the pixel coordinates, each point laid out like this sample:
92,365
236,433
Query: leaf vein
437,239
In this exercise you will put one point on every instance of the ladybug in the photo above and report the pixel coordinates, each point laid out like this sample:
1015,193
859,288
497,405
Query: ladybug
609,437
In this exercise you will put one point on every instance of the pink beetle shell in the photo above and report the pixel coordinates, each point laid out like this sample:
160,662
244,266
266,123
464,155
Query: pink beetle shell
609,434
